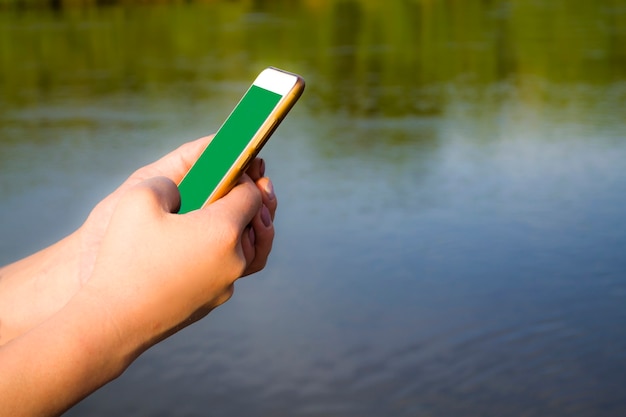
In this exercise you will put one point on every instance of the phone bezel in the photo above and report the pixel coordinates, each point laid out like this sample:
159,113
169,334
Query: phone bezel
286,84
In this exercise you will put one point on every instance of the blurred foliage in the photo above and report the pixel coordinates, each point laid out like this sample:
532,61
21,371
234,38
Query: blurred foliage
361,57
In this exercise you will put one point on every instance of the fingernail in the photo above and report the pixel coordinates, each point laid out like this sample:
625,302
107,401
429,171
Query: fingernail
262,168
266,218
269,190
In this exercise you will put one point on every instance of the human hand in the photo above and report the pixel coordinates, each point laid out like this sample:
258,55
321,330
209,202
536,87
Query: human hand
157,271
173,166
134,273
33,289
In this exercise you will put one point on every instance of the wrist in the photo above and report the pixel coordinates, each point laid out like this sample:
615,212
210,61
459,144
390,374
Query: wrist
36,287
61,361
133,323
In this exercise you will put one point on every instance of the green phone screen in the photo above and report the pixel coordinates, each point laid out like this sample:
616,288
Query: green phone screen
228,143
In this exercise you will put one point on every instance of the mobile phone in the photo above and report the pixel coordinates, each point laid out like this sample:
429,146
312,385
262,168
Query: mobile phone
237,142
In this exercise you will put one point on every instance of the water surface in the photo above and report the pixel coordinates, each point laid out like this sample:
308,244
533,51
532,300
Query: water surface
450,237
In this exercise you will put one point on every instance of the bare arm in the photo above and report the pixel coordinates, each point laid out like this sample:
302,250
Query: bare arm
151,274
34,288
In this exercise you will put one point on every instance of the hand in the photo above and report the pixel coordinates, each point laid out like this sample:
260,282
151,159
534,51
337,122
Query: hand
157,271
173,166
33,289
153,273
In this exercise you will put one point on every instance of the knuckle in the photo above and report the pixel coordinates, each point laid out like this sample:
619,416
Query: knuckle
137,197
232,255
230,235
225,295
239,266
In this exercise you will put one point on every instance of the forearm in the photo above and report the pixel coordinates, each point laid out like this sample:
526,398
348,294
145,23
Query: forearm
139,273
50,368
36,287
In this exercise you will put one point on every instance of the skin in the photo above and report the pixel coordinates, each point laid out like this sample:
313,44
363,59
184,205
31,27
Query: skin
131,275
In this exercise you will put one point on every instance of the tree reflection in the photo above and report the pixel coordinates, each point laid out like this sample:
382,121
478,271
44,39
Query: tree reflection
362,59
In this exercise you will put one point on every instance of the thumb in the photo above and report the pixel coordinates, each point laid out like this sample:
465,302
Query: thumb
241,203
157,193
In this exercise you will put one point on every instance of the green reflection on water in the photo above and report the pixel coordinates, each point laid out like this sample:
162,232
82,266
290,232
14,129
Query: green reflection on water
362,59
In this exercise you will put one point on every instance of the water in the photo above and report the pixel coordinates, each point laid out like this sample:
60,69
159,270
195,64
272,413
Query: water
450,236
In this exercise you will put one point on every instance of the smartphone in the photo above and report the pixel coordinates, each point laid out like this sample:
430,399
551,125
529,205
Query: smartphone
237,142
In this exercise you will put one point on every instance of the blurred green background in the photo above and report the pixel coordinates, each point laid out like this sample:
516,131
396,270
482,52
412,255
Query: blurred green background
450,237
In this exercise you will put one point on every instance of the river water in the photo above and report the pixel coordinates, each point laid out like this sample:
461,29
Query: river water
450,238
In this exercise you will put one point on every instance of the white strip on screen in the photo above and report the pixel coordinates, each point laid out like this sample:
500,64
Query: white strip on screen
275,81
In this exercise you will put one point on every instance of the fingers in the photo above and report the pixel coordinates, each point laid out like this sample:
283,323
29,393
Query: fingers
157,193
266,187
262,233
240,204
166,193
256,172
175,164
261,229
256,169
246,212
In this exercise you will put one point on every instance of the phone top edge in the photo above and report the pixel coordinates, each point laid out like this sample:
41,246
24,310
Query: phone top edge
282,90
276,80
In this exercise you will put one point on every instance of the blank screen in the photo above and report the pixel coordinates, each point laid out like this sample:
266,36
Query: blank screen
228,143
